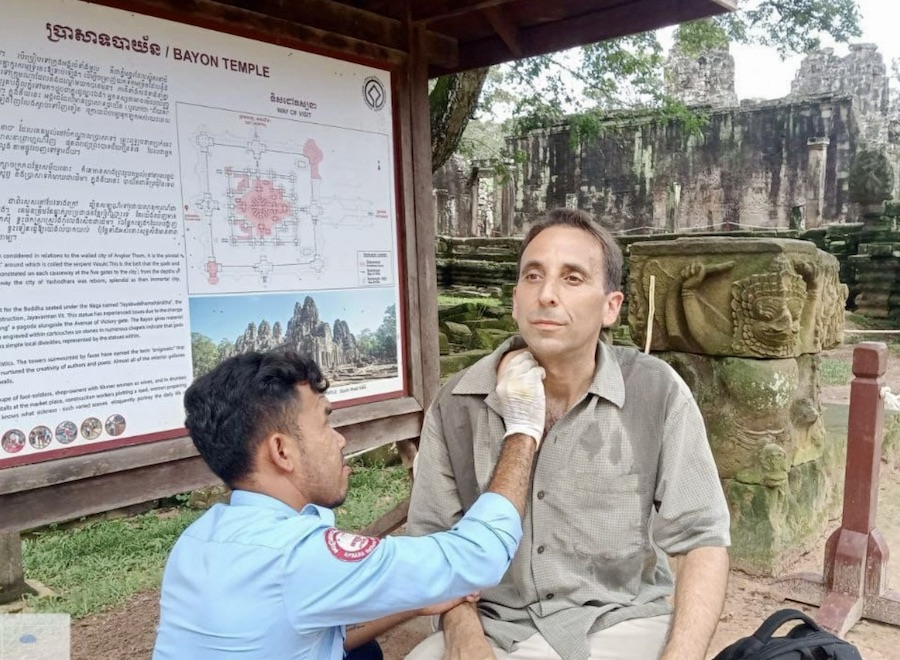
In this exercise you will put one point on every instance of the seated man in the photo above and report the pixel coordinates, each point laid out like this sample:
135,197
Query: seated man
268,576
591,578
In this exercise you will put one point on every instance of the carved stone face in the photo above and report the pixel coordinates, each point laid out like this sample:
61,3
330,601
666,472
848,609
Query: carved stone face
775,321
767,312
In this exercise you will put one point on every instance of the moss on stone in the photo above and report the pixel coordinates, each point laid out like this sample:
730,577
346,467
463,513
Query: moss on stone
450,364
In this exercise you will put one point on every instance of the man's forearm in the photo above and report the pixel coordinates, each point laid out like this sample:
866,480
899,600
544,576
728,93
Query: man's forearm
512,474
700,587
464,636
365,632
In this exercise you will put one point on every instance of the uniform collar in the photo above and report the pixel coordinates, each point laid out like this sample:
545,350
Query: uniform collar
481,377
249,498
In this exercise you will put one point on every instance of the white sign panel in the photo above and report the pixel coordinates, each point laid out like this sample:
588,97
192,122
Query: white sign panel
171,196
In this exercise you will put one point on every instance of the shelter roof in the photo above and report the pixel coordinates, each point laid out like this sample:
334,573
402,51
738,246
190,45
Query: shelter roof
466,34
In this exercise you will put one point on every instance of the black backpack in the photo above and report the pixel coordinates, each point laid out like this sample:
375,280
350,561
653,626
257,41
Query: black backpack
805,641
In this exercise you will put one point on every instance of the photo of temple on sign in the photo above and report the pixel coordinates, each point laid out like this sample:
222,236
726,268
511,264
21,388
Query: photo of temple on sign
352,341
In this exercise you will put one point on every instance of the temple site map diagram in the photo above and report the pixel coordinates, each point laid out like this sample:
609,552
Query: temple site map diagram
273,204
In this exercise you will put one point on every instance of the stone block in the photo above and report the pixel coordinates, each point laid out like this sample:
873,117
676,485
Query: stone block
457,333
767,433
443,344
876,249
742,297
467,311
489,338
450,364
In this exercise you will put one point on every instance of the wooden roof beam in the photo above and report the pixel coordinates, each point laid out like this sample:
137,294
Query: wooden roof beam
428,12
317,23
361,24
506,28
619,20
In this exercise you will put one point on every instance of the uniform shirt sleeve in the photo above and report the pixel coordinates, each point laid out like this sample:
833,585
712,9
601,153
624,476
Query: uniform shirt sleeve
692,511
434,504
401,573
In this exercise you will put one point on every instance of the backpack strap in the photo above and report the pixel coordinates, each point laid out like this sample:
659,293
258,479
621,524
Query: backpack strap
770,626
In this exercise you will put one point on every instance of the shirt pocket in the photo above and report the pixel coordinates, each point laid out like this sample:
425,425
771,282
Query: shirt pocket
610,516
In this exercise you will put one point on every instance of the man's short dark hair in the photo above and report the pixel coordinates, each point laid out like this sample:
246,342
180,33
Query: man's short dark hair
233,408
578,219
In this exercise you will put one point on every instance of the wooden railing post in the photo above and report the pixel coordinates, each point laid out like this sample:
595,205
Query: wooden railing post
12,577
854,581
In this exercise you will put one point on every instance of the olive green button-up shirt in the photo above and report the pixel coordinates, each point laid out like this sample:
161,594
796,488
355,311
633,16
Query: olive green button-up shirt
622,479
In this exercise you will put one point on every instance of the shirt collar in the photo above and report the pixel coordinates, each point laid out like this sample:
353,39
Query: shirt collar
481,377
259,500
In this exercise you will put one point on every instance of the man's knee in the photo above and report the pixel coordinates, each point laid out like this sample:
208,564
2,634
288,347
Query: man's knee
431,648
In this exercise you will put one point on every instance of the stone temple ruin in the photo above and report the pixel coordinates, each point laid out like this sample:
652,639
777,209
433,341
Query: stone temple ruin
333,347
755,164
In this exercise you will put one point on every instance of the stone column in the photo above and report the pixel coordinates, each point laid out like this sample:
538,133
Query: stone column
742,321
815,180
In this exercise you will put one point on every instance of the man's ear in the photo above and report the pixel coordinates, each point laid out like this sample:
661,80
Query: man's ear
280,451
613,307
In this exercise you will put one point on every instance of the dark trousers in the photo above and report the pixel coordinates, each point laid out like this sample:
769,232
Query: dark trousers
368,651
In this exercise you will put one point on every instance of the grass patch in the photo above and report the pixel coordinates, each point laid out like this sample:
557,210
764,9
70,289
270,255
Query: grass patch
450,301
102,564
373,492
835,372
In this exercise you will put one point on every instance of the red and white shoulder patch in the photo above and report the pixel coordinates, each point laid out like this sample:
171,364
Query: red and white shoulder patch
349,547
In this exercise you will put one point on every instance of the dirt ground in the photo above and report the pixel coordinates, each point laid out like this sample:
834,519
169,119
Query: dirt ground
128,631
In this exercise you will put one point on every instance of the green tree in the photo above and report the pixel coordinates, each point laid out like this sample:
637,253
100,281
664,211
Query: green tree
204,354
386,335
620,73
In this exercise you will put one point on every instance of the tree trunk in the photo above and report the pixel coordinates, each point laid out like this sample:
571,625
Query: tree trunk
452,101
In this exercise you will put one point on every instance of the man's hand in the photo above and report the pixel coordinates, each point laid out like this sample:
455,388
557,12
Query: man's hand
521,392
446,606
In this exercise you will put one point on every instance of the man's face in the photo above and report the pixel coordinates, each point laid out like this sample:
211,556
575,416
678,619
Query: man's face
323,475
560,301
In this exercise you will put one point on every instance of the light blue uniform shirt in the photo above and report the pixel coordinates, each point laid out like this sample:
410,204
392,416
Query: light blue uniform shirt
256,579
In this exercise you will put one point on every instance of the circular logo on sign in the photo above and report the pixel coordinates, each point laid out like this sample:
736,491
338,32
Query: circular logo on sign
373,93
349,547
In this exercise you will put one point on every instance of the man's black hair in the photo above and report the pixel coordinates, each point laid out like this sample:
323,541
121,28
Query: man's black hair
233,408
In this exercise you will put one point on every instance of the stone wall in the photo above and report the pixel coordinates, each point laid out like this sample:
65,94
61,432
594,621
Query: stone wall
747,169
770,164
484,262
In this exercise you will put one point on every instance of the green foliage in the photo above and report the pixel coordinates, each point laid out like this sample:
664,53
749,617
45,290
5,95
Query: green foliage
204,353
835,372
792,27
445,300
696,37
381,344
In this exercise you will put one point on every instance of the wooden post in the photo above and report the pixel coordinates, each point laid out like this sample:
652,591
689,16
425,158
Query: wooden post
854,582
12,577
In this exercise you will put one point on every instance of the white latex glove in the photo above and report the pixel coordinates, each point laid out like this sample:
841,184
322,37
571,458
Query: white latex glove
521,392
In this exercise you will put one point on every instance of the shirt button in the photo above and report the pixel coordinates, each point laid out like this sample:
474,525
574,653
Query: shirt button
540,495
540,550
549,596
